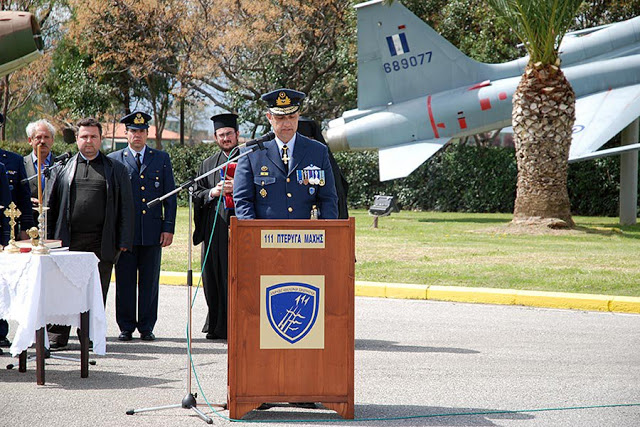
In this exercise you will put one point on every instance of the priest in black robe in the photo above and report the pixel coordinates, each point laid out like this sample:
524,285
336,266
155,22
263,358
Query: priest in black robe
213,207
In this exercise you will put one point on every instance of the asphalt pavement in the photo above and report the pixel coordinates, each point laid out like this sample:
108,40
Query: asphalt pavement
417,363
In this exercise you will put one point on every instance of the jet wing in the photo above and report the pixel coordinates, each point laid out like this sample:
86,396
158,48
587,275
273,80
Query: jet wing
601,116
400,161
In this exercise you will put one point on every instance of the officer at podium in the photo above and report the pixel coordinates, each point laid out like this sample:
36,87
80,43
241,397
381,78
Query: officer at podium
291,178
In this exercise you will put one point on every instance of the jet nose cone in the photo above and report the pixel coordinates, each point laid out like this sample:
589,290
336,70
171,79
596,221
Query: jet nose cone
336,135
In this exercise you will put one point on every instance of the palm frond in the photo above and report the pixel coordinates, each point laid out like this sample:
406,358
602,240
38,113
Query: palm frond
539,24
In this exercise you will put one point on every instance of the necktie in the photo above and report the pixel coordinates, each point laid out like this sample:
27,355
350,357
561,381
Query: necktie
138,162
285,157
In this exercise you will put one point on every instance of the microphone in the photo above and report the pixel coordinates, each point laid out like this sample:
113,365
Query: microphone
259,141
62,157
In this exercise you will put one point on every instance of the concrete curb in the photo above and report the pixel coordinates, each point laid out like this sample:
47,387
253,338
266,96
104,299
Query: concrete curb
565,300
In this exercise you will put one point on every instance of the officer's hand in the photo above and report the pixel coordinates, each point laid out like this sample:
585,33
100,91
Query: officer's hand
34,202
166,239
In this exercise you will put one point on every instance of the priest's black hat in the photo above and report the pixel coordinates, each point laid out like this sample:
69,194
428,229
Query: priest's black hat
225,120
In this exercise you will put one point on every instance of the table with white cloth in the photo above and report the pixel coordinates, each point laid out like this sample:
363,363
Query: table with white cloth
61,288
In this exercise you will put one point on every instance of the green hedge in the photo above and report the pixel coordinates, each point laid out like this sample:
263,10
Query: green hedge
465,178
461,178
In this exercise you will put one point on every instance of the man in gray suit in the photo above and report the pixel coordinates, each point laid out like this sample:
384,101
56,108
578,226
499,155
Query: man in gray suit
40,136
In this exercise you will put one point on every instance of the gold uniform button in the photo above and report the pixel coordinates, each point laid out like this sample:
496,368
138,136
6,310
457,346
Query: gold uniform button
144,212
144,200
290,209
142,188
288,179
142,176
288,194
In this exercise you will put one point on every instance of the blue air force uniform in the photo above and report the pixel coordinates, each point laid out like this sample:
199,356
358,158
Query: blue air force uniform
138,271
263,189
19,187
288,179
21,196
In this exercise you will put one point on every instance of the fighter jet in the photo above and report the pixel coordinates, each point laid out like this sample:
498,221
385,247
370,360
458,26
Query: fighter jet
416,91
20,40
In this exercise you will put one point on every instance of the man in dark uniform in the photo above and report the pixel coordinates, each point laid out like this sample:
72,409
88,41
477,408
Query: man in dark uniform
139,270
290,178
21,196
40,136
91,209
209,199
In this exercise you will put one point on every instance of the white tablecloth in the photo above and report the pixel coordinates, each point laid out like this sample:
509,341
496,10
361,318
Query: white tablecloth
55,288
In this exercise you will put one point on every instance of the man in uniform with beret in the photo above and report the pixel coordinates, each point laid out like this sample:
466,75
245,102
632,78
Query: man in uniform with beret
21,196
213,196
138,271
291,178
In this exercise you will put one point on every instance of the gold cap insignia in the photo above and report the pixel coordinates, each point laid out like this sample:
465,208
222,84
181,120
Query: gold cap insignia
139,120
264,168
283,100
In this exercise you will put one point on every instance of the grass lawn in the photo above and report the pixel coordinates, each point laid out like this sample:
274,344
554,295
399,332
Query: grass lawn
460,249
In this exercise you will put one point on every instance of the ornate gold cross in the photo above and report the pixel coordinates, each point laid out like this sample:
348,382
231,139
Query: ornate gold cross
12,213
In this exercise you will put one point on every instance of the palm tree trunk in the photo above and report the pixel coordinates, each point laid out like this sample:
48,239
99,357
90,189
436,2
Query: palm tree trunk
543,117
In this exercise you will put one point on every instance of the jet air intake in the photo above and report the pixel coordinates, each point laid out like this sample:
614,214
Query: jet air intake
20,40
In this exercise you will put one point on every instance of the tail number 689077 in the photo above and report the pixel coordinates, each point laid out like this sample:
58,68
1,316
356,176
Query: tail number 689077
405,63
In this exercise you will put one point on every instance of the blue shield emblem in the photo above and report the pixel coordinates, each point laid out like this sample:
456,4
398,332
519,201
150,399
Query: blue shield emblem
292,309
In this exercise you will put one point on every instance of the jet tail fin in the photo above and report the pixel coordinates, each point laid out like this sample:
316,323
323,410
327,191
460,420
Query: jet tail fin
400,57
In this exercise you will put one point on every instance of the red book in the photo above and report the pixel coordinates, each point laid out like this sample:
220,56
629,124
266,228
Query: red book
230,171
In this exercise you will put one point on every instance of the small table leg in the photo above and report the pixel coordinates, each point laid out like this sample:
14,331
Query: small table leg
22,362
84,344
40,356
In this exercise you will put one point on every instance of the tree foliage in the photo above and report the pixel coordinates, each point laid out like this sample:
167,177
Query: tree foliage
540,25
226,50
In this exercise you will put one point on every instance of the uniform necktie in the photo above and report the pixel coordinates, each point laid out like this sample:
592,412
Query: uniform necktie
285,157
138,162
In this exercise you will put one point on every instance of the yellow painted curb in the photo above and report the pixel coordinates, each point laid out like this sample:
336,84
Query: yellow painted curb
563,300
370,289
405,291
474,295
625,304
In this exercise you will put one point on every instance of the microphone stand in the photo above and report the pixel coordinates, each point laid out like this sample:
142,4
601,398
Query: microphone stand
189,401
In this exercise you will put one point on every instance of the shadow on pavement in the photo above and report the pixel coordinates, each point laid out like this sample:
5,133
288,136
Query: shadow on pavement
392,346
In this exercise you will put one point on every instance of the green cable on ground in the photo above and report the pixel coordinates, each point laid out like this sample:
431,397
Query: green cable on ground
452,414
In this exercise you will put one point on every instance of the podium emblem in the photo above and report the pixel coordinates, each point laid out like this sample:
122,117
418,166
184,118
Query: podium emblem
292,309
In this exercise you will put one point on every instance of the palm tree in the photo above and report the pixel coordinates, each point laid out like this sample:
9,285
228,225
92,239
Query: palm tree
543,110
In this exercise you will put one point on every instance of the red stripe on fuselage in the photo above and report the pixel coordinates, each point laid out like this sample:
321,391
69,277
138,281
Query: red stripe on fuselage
433,122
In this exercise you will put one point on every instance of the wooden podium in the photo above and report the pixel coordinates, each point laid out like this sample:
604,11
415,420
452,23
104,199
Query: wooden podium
291,297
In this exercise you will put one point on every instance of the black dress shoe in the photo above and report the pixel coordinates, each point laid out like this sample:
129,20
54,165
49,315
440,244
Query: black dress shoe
125,336
147,336
265,406
4,342
304,405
